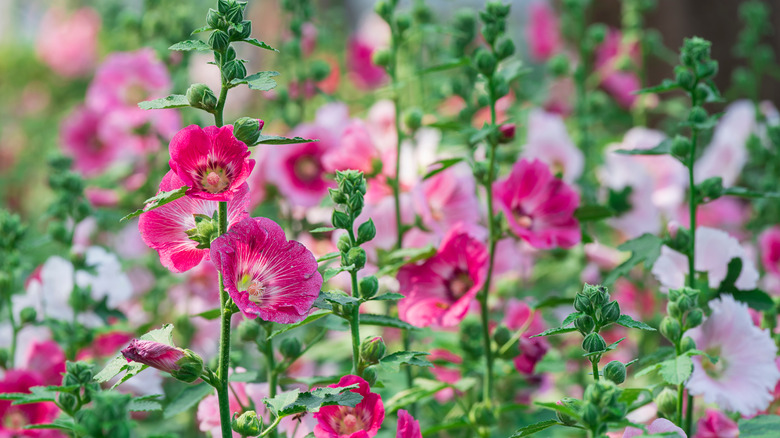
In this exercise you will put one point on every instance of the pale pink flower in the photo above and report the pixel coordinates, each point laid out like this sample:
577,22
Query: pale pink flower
659,425
539,207
745,375
543,33
266,275
439,357
381,124
361,421
549,142
440,290
620,84
126,78
100,197
355,150
136,131
13,418
514,259
769,242
382,212
447,198
725,213
67,42
714,251
715,424
164,229
408,427
210,161
727,153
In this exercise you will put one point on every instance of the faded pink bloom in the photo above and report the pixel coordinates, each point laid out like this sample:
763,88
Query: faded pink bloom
447,198
80,139
620,84
769,242
355,150
440,290
727,153
539,207
210,161
745,375
100,197
13,419
714,251
408,427
361,421
164,229
439,357
715,424
67,42
126,78
155,354
543,33
519,315
266,275
47,359
659,425
549,142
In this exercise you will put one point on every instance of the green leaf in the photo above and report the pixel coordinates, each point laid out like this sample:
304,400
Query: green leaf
443,165
666,85
755,299
275,139
449,65
385,321
627,321
645,248
553,302
392,362
663,148
570,318
163,335
328,256
324,230
762,426
186,46
534,428
188,398
262,45
338,298
296,402
158,201
209,314
555,331
589,213
201,29
395,260
747,193
329,273
172,101
413,395
563,409
66,424
262,81
390,296
677,369
37,394
145,403
314,316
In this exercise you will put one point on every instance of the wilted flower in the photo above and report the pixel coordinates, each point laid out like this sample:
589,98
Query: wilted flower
165,228
538,206
744,377
408,427
440,290
266,275
361,421
210,161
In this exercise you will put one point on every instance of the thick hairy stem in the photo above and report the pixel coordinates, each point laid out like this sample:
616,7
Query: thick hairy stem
594,364
224,339
354,319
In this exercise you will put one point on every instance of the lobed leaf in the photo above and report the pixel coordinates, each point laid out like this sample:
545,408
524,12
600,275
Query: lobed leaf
172,101
186,46
158,201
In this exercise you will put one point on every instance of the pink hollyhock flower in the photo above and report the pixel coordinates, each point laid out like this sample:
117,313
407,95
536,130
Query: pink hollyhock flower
620,84
659,425
447,198
155,354
549,142
164,229
715,424
714,251
13,418
745,375
373,34
137,131
355,151
769,242
79,136
520,316
210,161
441,289
727,153
538,206
100,197
46,358
126,78
514,259
439,357
105,345
361,421
68,42
543,33
725,213
408,427
266,275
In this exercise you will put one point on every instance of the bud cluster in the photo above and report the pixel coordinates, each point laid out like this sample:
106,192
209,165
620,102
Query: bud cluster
227,25
601,406
206,229
69,202
683,313
596,311
349,200
399,23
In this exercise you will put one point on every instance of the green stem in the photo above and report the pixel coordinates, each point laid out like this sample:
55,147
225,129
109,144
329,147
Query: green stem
594,364
406,338
272,427
220,106
689,416
399,138
354,319
14,328
273,375
224,338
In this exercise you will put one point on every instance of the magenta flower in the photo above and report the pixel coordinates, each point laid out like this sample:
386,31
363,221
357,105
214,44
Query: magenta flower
620,84
13,418
355,150
363,72
155,354
715,424
543,33
538,206
211,161
769,242
79,136
441,289
266,275
165,228
408,427
361,421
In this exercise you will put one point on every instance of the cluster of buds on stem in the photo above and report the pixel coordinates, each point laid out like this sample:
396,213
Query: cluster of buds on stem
601,406
349,198
597,311
683,313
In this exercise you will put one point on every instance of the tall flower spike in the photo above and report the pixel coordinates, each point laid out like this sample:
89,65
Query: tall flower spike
266,275
211,161
165,228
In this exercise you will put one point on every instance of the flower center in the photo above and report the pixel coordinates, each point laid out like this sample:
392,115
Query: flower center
135,93
714,370
524,220
349,422
214,180
14,420
459,284
253,287
307,168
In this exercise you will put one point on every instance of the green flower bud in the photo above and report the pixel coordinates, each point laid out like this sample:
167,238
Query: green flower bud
707,69
368,287
381,57
372,349
356,202
590,414
356,256
486,62
224,6
247,130
215,20
711,188
597,33
670,329
235,14
482,414
684,78
666,401
366,231
569,402
582,303
697,115
685,303
370,376
403,22
384,9
599,295
558,65
413,119
694,318
610,312
190,367
219,41
337,196
28,315
500,86
501,335
244,33
593,342
344,244
290,348
340,220
505,48
68,402
584,324
234,70
615,372
673,310
200,96
82,372
247,424
681,147
248,330
674,294
320,70
687,344
58,232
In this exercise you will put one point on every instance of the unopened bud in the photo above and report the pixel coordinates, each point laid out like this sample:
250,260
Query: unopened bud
28,315
413,119
368,287
403,22
344,243
569,402
219,41
666,401
615,372
370,376
247,130
593,342
381,57
584,324
693,319
290,348
506,132
486,62
372,349
582,303
200,96
182,364
505,48
247,424
670,328
684,78
482,414
356,256
697,115
687,344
